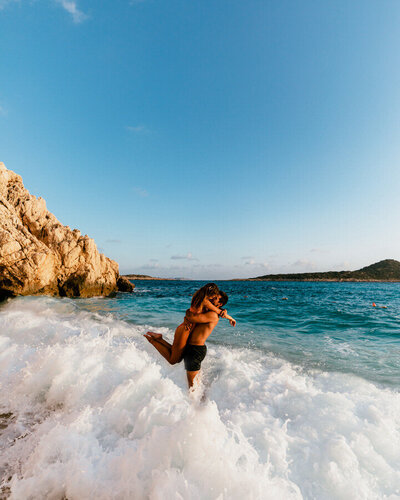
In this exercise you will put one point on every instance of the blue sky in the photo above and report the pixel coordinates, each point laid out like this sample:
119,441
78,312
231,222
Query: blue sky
209,139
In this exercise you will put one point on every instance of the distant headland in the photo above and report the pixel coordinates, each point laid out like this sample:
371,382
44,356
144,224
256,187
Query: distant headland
385,270
146,277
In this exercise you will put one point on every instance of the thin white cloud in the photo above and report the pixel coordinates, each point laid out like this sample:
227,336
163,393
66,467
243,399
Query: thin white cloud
4,3
319,250
208,266
72,8
189,256
254,264
140,192
149,267
304,266
250,262
137,129
345,265
3,112
190,270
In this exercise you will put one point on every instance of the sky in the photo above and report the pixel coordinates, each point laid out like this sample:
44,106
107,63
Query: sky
210,139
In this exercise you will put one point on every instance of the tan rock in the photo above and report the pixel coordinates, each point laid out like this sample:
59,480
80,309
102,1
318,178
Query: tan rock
38,255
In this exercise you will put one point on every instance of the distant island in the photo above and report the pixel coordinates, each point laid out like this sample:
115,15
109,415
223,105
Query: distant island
146,277
385,270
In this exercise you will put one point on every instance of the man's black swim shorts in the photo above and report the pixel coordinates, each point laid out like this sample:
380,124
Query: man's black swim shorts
193,356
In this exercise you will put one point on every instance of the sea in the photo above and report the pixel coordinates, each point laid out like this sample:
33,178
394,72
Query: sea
300,400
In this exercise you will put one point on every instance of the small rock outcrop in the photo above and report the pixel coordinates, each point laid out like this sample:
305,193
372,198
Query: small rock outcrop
124,285
38,255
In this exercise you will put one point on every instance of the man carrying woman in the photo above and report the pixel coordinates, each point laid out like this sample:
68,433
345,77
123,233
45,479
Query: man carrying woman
190,336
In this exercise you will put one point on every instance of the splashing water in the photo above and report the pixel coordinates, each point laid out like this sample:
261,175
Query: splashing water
90,410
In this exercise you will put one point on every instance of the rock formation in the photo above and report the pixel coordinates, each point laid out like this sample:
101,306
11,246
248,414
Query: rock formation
38,255
124,285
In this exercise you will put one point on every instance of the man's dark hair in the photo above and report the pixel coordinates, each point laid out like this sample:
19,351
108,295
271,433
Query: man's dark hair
224,297
205,291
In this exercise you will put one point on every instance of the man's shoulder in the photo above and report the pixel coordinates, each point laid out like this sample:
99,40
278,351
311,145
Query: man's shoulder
213,314
214,318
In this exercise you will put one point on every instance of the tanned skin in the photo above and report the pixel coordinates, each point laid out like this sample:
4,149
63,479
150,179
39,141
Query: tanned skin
204,325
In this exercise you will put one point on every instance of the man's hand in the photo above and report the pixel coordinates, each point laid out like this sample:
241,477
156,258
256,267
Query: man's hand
224,313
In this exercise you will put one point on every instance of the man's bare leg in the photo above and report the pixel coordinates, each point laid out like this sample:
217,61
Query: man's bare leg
191,376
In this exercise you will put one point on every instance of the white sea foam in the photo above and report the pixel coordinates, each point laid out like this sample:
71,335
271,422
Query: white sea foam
97,413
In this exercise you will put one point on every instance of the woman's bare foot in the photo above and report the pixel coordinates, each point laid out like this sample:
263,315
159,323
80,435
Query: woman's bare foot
154,335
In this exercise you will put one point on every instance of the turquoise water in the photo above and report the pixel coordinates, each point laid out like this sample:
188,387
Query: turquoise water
330,326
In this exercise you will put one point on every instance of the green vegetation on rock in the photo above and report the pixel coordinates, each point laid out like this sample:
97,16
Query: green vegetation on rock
385,270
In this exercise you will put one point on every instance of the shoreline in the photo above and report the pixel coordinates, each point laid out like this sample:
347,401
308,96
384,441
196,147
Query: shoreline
135,277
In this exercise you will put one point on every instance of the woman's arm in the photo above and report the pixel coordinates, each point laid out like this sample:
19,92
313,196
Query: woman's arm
208,304
211,307
231,320
196,310
222,313
208,317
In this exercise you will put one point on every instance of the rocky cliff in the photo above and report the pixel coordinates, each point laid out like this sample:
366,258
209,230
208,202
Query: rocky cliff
38,255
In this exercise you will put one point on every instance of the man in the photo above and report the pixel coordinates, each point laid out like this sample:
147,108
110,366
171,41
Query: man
191,346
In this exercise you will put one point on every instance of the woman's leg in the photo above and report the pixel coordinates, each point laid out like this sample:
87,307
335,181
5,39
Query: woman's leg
172,353
150,336
162,348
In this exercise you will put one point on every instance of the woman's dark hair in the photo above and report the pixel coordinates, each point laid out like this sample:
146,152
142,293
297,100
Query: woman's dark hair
205,291
224,297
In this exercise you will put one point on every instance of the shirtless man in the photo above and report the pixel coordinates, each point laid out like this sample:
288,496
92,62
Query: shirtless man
190,347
